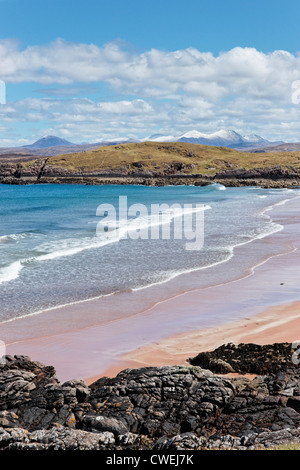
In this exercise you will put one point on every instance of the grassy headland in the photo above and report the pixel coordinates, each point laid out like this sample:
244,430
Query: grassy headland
157,157
155,163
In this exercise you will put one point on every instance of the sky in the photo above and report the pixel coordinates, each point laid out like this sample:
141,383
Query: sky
94,70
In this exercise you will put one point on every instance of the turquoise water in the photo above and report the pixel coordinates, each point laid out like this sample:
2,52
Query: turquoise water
51,253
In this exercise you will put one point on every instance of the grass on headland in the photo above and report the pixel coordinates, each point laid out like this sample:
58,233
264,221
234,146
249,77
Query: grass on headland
156,157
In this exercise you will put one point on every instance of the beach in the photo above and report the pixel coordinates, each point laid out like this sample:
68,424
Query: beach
276,325
262,306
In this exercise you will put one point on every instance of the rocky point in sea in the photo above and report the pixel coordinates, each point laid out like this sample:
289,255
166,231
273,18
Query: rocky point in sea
206,404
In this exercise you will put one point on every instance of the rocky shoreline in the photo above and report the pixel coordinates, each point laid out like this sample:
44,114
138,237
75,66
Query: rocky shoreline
40,173
154,181
167,408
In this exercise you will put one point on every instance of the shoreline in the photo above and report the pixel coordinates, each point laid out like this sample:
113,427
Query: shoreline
79,349
248,271
260,178
265,328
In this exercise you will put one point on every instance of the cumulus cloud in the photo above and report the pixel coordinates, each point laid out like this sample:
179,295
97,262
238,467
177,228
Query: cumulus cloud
242,88
236,71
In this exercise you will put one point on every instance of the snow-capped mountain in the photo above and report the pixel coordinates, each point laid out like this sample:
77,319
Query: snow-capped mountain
160,138
52,145
255,138
221,138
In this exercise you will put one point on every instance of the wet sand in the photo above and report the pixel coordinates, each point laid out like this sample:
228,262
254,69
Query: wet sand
275,325
263,306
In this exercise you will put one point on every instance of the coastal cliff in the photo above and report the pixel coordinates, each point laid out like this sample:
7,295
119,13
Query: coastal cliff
159,408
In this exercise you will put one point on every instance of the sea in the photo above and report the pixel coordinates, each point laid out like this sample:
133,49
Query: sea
63,244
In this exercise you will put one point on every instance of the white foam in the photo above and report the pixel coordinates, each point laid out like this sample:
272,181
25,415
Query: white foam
11,272
217,186
116,232
174,274
14,237
269,230
70,247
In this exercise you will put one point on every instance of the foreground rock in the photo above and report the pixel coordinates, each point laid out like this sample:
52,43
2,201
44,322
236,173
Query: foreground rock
171,407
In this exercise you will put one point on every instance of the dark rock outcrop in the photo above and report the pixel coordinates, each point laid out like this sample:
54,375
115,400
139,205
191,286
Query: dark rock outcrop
272,173
245,358
32,397
159,401
176,173
162,408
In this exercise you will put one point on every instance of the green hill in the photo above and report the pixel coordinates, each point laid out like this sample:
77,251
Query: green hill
166,158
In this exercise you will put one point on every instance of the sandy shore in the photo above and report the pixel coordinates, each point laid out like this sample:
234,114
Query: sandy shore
277,324
263,307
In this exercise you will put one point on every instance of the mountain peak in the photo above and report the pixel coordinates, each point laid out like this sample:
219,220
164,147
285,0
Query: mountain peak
254,138
49,141
220,138
224,138
227,134
193,135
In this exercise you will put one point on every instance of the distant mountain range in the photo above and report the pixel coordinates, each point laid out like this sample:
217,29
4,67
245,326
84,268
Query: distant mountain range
222,138
53,141
52,145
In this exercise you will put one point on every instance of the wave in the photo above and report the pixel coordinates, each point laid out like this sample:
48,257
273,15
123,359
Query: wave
173,274
69,247
282,202
159,218
116,231
11,272
269,229
14,237
10,238
217,186
121,229
72,246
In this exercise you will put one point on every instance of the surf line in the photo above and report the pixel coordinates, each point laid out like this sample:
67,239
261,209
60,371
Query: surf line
135,221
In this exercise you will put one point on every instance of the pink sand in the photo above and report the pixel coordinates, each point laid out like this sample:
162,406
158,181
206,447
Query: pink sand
94,338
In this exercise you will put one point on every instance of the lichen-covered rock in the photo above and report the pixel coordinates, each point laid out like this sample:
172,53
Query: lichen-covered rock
247,441
104,423
32,397
161,400
170,407
55,439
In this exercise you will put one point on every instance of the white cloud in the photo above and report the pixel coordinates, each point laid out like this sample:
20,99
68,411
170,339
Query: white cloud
177,90
240,69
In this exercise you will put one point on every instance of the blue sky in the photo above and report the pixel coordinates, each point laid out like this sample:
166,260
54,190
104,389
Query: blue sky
86,70
213,25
